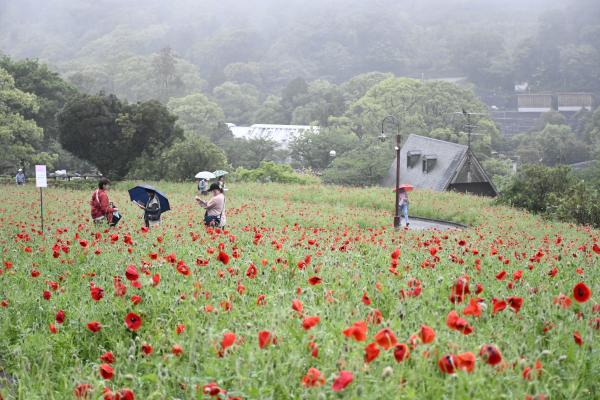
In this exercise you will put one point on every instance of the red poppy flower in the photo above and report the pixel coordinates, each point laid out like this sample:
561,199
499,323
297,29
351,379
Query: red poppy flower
52,328
251,271
466,361
342,380
581,293
447,363
135,299
125,394
133,321
94,326
97,293
358,331
395,254
498,305
264,339
596,248
313,378
60,316
147,349
183,269
453,321
365,299
577,338
401,352
131,273
426,334
176,350
212,389
297,305
46,295
314,280
385,338
515,303
375,317
106,371
82,391
473,309
180,328
108,357
310,322
371,352
490,354
501,275
562,300
223,257
228,340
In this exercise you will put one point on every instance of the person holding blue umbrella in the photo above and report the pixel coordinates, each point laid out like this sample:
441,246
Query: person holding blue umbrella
153,202
151,210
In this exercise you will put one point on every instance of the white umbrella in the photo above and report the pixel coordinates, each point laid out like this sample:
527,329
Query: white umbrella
220,172
205,175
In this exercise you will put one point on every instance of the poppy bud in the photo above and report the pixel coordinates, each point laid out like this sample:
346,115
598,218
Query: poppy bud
387,372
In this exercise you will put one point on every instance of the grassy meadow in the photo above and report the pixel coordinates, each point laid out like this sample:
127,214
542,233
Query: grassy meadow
308,293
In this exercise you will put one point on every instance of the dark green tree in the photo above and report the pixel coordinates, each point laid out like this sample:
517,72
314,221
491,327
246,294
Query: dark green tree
51,91
111,134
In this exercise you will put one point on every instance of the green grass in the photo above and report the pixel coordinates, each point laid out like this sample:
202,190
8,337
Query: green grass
42,365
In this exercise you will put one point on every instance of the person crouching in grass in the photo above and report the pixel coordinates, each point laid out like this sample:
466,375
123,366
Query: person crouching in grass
101,207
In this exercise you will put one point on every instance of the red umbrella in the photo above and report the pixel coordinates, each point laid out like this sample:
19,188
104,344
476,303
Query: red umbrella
406,187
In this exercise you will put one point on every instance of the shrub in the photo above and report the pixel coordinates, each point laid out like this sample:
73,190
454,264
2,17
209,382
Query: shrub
271,172
533,186
180,162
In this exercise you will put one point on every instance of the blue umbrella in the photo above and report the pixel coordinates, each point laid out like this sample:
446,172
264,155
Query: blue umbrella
139,194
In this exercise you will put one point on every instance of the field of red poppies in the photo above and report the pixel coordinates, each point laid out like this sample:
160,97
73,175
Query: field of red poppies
308,293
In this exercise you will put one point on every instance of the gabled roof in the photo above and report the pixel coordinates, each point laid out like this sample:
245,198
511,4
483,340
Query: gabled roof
451,165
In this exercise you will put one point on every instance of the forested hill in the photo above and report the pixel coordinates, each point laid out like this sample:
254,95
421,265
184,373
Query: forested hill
109,44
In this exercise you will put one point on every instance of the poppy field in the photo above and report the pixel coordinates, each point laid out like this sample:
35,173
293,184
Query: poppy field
308,293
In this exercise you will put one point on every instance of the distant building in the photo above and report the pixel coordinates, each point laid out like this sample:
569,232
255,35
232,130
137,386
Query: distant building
437,165
574,102
534,103
282,134
581,166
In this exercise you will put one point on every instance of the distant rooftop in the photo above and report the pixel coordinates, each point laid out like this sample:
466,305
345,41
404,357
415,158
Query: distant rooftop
282,134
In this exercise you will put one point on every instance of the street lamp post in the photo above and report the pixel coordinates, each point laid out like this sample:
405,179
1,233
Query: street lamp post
382,137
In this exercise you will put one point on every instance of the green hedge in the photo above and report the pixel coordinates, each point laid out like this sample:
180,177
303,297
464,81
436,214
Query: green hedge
271,172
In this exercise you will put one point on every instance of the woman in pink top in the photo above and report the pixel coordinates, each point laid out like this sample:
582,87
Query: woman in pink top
215,207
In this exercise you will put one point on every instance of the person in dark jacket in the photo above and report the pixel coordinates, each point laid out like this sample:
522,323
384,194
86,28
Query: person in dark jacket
151,209
21,179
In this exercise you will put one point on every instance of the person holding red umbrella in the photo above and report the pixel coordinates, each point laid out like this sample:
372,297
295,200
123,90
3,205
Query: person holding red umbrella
403,201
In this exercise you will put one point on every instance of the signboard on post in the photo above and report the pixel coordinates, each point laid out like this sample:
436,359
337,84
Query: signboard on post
41,179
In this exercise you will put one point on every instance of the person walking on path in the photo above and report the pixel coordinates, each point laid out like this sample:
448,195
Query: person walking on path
20,178
215,207
403,204
101,207
151,209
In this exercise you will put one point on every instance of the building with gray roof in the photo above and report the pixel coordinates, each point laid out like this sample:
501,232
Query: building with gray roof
437,165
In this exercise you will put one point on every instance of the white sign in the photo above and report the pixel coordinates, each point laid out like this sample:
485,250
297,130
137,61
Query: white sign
41,180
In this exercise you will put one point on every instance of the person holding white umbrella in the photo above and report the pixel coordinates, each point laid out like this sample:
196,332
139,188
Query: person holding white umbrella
203,178
220,174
